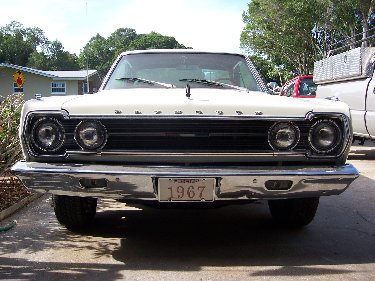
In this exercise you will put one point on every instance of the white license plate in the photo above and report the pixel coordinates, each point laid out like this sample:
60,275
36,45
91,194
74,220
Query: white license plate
186,189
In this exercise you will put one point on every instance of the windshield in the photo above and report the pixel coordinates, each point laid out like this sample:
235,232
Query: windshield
176,70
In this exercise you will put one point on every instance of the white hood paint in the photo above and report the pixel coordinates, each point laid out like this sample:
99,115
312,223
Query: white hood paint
173,102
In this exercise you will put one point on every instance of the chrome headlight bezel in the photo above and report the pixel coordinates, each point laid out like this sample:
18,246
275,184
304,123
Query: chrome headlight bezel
99,136
334,143
55,128
278,130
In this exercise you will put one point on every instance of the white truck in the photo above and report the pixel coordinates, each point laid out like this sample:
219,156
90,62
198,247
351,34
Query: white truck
348,77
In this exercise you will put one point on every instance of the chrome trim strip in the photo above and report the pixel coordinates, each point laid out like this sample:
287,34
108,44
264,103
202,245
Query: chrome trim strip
344,119
138,182
187,154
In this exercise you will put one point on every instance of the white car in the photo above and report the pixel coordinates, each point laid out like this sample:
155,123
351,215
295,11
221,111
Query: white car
181,127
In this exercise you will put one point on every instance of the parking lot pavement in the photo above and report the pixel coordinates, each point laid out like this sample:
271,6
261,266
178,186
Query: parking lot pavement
229,243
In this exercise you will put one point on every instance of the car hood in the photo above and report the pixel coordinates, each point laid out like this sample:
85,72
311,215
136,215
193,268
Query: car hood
202,102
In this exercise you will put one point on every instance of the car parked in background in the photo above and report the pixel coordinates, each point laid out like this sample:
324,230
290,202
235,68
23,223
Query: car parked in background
299,87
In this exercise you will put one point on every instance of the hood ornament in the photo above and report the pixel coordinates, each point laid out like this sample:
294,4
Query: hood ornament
187,90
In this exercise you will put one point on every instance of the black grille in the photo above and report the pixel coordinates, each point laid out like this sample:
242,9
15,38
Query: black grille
178,134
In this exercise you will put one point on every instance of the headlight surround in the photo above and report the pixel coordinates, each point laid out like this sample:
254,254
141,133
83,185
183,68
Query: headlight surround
325,136
47,134
283,136
90,135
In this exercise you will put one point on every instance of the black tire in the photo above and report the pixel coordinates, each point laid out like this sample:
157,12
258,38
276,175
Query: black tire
294,212
74,212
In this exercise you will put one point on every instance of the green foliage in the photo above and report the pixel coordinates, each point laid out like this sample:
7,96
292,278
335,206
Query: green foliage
120,40
27,46
54,58
17,43
99,53
154,40
296,33
281,31
10,111
269,71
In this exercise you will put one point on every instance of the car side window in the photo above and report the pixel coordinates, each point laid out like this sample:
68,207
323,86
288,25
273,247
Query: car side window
289,90
307,88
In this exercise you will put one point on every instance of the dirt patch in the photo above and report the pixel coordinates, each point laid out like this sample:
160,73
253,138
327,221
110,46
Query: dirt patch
11,191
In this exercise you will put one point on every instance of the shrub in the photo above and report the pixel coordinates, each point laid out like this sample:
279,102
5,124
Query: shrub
10,149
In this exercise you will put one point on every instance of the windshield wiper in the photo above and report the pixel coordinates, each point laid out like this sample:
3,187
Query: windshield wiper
211,83
150,82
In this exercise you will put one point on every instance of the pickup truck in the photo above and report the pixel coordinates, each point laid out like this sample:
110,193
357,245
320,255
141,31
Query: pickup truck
348,77
185,128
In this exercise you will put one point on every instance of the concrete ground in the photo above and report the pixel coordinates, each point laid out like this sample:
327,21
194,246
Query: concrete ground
230,243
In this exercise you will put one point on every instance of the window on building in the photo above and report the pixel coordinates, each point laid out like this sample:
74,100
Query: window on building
16,89
58,88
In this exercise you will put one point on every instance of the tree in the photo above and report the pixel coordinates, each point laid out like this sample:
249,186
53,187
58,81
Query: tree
281,31
345,23
53,58
269,71
97,55
120,40
27,46
154,40
295,33
17,42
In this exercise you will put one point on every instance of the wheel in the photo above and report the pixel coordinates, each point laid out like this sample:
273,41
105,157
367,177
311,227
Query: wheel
294,212
74,212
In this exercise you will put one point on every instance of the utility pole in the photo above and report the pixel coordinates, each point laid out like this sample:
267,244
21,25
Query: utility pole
87,63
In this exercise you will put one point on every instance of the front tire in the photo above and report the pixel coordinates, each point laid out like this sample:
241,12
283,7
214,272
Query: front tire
294,212
74,212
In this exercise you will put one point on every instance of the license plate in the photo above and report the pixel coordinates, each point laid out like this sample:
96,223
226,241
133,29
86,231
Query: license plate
186,189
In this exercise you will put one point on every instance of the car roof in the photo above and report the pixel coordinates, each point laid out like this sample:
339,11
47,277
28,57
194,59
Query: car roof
176,51
297,78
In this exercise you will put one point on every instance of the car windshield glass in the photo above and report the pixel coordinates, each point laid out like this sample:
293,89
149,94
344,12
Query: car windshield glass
170,70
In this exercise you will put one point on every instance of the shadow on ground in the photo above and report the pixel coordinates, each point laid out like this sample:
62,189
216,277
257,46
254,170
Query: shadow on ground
189,240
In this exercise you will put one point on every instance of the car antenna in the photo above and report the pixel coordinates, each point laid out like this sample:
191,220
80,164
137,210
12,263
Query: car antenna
87,64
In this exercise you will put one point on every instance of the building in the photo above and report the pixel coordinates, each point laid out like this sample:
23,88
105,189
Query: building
46,83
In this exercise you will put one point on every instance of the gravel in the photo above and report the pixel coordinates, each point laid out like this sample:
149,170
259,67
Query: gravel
11,191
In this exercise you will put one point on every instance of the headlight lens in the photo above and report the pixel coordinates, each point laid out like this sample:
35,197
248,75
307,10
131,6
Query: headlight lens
90,135
48,134
325,136
283,136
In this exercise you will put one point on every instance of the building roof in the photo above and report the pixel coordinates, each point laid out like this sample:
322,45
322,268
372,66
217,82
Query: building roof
56,75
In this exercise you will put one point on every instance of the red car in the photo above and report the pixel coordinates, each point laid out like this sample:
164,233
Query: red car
299,87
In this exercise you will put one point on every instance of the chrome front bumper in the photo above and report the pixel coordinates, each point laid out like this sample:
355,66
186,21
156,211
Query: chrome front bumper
140,182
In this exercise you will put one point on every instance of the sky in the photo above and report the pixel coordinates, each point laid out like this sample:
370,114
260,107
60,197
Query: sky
209,25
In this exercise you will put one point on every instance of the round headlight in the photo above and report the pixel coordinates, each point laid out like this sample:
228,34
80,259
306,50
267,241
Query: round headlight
283,136
48,134
325,136
90,135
